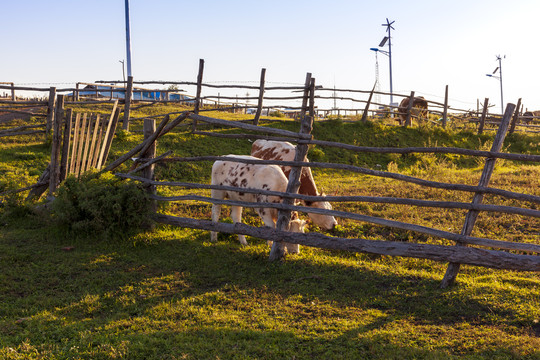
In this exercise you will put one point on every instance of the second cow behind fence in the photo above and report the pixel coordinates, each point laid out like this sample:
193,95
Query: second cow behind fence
264,177
285,151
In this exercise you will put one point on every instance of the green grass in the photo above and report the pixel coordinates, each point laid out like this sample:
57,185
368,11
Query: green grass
169,293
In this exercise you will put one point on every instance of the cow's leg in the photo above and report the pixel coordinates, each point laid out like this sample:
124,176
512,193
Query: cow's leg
216,211
236,216
268,217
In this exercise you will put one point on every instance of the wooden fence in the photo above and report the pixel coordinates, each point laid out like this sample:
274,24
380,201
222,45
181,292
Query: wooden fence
80,142
471,250
478,252
287,95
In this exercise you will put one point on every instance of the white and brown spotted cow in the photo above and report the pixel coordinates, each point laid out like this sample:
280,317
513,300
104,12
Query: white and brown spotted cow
253,176
285,151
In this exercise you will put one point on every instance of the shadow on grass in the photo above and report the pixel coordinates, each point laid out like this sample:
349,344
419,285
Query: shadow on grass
183,295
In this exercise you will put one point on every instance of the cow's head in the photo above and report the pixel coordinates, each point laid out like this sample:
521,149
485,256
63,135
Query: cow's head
326,222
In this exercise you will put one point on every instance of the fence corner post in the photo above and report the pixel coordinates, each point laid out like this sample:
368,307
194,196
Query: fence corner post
127,103
284,216
149,128
198,95
260,101
56,146
50,111
445,111
365,114
483,118
470,219
515,117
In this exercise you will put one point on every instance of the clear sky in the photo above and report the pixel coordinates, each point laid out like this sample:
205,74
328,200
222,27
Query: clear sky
435,43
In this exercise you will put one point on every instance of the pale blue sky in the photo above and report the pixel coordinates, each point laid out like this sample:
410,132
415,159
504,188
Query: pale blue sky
435,43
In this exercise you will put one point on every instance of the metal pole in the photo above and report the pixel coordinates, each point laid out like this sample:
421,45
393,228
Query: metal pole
128,40
500,79
390,61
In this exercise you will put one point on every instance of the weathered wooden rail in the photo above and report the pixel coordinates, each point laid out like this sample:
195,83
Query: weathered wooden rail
479,251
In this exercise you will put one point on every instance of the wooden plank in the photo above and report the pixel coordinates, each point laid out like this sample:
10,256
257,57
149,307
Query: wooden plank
472,215
74,149
465,255
93,142
106,136
465,239
99,142
87,138
82,132
107,141
66,145
383,174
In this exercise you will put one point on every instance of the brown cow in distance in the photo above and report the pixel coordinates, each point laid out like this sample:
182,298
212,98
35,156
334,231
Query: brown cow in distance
418,109
530,116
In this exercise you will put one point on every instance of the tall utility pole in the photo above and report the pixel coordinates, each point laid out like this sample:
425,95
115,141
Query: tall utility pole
128,40
388,28
500,80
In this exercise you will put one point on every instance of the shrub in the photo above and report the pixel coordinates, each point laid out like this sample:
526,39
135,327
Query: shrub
102,205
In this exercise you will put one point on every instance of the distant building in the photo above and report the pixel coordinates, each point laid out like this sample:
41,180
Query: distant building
103,91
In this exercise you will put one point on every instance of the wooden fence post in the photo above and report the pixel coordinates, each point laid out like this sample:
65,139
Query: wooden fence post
483,118
149,128
76,92
284,216
365,114
408,121
13,97
127,104
50,111
453,268
261,94
445,110
55,151
515,118
64,170
199,89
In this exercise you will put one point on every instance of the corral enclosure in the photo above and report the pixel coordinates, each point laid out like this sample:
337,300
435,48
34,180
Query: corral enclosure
435,243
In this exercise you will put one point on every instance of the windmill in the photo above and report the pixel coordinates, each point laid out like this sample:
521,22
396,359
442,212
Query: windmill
389,27
386,39
499,69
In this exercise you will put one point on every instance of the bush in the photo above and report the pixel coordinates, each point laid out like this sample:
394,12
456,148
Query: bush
102,205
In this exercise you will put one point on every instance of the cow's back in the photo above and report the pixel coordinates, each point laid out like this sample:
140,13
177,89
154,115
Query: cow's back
254,176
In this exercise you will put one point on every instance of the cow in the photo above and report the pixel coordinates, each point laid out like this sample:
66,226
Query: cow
530,116
418,109
252,176
285,151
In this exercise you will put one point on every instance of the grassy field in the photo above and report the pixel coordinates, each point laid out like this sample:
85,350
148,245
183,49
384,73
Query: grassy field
169,293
